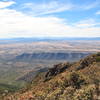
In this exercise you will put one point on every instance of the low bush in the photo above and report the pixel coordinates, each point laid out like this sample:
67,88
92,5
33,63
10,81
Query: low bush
76,80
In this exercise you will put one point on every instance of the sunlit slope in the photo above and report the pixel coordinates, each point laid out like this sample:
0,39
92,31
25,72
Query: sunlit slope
65,81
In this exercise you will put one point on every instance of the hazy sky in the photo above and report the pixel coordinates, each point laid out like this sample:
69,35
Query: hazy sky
49,18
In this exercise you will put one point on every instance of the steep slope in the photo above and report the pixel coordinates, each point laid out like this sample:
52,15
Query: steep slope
65,81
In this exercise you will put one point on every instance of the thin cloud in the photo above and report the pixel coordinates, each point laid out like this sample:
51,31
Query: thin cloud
6,4
98,13
86,6
56,6
88,23
47,8
92,5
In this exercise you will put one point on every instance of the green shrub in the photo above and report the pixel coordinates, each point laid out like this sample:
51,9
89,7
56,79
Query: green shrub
84,94
76,80
98,54
98,59
67,94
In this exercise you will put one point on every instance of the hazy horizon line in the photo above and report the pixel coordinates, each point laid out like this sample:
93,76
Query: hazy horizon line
45,37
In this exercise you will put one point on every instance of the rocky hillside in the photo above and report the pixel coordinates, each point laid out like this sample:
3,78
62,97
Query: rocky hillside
65,81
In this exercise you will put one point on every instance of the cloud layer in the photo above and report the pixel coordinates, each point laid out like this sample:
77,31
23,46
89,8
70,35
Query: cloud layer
17,24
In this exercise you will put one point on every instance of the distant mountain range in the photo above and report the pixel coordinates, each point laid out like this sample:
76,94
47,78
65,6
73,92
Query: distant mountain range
71,56
17,40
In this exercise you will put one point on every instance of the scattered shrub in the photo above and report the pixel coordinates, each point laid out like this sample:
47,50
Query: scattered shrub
84,94
67,94
98,59
76,80
98,54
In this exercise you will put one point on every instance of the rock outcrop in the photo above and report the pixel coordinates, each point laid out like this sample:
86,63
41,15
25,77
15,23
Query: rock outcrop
86,62
59,68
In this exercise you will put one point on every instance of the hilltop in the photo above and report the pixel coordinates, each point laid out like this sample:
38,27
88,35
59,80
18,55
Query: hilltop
65,81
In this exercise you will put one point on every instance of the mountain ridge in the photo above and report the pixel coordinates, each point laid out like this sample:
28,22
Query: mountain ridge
53,55
35,39
65,81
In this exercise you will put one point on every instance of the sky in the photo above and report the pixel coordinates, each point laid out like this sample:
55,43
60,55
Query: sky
49,18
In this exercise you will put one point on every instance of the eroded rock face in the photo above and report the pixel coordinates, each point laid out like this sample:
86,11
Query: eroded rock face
57,69
52,56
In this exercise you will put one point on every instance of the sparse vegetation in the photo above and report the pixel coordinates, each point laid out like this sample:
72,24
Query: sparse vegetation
98,59
67,85
76,80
